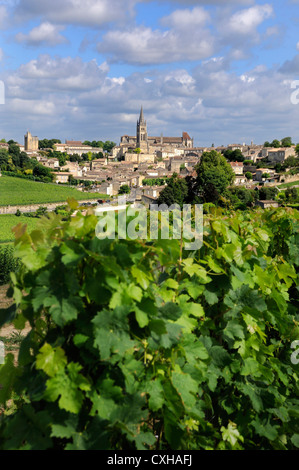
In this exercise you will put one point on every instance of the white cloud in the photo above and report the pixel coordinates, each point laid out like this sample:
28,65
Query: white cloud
45,33
182,19
186,39
246,21
69,98
88,12
3,16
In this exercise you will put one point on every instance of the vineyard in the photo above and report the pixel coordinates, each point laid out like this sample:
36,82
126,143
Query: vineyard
7,222
17,191
144,345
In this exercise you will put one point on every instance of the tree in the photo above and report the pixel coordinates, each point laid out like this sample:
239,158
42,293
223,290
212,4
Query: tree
4,159
267,193
214,175
286,142
176,192
125,189
291,161
42,172
248,175
48,144
292,195
234,155
275,144
108,145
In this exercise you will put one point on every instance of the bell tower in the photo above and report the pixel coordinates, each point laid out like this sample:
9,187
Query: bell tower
142,138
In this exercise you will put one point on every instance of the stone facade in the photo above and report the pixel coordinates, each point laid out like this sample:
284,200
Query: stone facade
30,143
151,145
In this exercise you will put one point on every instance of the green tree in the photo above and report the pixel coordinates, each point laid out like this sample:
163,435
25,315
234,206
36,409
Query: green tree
275,143
248,175
109,145
292,195
267,193
214,175
42,172
291,162
234,155
286,142
125,189
176,192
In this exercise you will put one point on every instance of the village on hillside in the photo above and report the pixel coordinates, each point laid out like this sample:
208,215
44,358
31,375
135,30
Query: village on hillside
143,163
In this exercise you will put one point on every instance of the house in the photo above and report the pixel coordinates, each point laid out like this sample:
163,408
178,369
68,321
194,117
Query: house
237,167
239,180
261,171
267,204
280,155
62,177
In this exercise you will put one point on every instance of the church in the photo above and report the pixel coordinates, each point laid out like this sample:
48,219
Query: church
149,144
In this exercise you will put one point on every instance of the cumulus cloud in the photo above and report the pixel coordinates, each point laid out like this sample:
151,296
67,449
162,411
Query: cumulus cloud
88,13
70,98
186,39
46,33
3,16
246,21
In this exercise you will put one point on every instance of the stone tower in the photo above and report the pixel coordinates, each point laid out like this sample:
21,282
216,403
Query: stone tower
142,137
30,142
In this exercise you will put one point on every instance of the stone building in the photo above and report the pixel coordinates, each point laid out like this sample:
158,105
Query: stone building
152,145
30,143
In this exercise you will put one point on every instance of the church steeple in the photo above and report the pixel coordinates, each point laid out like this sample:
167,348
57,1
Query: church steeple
141,118
142,139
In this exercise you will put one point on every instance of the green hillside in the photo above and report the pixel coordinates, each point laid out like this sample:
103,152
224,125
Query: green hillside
17,191
7,222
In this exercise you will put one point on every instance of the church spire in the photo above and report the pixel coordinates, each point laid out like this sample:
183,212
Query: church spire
141,119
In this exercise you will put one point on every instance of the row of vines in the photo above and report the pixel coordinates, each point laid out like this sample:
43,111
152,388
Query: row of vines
144,345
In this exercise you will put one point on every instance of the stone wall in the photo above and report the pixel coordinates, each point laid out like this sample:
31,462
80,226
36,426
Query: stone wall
34,207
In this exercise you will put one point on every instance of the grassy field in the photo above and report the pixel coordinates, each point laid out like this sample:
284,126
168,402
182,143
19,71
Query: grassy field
7,222
289,185
17,191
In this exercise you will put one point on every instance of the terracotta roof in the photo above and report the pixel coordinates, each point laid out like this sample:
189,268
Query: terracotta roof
186,136
73,142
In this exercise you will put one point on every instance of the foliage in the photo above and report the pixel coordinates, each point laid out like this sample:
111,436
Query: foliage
176,191
143,345
214,175
234,155
8,263
267,193
292,195
124,189
241,197
154,181
107,146
8,221
48,143
19,191
286,142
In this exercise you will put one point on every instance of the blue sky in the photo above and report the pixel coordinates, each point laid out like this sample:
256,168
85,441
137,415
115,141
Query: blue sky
220,70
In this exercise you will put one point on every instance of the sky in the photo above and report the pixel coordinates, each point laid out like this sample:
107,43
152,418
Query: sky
224,71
